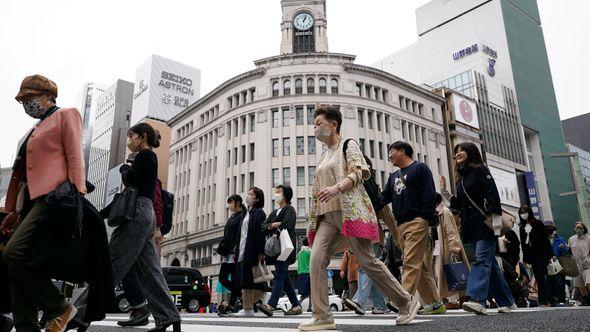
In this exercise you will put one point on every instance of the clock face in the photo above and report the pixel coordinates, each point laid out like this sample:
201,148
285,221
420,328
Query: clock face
303,21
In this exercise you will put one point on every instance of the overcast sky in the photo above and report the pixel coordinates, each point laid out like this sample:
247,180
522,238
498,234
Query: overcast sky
77,41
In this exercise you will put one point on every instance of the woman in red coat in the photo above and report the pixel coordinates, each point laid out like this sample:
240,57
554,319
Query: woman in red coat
50,155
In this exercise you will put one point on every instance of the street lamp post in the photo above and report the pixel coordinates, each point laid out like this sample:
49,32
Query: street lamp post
579,190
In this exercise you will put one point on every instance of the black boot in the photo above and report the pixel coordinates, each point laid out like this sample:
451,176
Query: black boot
139,317
175,327
6,324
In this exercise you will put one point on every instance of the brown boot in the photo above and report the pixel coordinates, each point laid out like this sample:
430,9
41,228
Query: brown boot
59,324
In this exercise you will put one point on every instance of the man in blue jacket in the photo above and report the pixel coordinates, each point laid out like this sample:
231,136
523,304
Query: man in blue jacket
556,282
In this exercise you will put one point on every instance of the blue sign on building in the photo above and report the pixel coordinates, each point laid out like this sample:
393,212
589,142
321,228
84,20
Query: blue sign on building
532,193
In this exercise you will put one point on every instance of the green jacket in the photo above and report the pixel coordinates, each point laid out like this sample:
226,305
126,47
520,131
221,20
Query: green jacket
303,260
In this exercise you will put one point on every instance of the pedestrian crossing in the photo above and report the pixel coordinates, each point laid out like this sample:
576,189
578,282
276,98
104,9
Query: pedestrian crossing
212,322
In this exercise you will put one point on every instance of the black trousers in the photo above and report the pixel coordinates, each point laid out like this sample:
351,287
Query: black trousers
545,292
226,272
557,285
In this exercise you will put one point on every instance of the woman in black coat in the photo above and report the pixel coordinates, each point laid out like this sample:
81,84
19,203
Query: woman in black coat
478,198
227,250
283,218
536,251
250,251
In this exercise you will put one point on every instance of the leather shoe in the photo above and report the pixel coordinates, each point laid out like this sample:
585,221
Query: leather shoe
139,317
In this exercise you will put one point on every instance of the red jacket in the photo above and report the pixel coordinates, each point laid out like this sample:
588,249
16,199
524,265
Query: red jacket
158,206
54,154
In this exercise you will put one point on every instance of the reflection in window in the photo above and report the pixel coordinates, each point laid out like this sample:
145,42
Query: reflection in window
275,89
298,86
334,85
310,85
287,88
322,85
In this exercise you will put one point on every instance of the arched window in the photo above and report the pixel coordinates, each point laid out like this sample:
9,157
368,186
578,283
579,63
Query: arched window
275,89
298,86
334,85
287,88
310,85
322,85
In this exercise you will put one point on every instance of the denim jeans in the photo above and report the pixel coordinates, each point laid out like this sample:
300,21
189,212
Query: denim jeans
368,290
486,277
282,283
132,245
132,289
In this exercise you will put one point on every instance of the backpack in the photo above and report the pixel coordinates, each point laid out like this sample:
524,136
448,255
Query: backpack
167,210
371,186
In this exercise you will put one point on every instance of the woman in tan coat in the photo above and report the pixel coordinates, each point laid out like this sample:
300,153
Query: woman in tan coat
450,247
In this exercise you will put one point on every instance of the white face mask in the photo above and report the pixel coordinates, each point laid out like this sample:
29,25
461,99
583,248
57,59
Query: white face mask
322,134
277,197
524,216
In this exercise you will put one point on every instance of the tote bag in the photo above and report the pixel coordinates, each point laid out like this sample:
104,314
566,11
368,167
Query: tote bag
286,245
554,267
456,274
261,273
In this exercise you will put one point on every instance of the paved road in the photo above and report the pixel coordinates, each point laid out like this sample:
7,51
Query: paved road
546,319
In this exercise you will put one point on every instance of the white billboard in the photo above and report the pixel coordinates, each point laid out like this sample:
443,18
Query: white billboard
507,186
465,111
164,88
114,184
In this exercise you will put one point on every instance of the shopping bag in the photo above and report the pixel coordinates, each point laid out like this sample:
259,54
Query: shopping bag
456,274
554,267
272,247
286,245
570,268
261,273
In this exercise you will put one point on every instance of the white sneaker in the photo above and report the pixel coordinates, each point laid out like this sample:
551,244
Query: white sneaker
317,325
246,313
506,310
407,318
475,308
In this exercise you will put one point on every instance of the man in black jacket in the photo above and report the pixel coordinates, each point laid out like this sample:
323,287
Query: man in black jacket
411,192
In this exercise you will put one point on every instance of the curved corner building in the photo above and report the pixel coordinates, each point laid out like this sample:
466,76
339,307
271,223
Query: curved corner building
256,129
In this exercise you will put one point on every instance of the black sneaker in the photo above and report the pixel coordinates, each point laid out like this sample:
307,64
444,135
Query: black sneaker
350,304
391,307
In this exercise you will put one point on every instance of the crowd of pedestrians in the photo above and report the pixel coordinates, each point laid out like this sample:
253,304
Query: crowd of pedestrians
428,234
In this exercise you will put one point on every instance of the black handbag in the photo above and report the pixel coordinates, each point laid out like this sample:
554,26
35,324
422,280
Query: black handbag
122,209
65,202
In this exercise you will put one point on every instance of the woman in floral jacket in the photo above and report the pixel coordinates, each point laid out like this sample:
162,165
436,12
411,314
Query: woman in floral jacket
341,213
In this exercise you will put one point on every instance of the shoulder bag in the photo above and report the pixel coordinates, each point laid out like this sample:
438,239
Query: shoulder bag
122,209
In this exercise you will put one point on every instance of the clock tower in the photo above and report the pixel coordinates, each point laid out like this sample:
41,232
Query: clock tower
304,26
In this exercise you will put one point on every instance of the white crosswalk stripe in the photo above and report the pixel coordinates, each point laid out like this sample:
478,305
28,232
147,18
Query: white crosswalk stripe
199,322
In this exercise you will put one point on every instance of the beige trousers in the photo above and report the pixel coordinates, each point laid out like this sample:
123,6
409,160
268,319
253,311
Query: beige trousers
328,235
251,296
417,273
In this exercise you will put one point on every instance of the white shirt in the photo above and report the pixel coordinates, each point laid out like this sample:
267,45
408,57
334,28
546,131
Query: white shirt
243,236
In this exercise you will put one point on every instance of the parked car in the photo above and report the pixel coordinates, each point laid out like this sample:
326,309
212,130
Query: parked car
334,300
188,290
